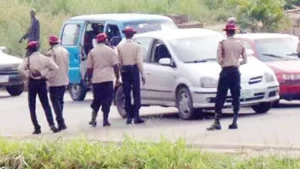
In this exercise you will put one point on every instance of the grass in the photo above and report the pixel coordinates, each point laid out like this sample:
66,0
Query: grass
14,14
81,154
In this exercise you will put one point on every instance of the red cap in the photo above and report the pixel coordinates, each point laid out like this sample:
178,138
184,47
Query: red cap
230,26
53,39
32,44
101,37
129,30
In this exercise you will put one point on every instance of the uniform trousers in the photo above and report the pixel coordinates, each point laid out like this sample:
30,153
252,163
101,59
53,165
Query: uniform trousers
230,78
103,96
39,87
57,99
131,82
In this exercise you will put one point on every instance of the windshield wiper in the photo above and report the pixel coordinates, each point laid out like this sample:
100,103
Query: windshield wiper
292,54
274,56
200,61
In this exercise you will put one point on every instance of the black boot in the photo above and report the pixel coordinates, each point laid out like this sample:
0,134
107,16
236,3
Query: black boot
37,131
129,121
54,129
137,119
62,126
93,121
105,120
234,122
233,126
215,126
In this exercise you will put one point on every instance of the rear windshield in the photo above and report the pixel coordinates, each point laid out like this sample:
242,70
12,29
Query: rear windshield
151,25
277,49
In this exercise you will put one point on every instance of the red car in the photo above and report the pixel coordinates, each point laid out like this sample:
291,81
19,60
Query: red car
279,52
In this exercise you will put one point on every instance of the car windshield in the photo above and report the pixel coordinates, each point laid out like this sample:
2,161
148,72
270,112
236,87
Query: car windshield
151,25
196,49
277,49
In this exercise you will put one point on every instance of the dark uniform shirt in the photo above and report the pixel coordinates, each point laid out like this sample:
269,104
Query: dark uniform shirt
34,31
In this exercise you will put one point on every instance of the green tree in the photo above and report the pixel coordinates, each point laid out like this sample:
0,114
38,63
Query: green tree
261,15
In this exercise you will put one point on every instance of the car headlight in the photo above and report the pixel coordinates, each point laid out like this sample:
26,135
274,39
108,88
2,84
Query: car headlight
291,76
269,77
208,82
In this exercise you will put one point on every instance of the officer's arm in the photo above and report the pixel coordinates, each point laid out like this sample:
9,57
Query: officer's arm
115,64
140,60
244,56
89,72
50,70
220,54
23,68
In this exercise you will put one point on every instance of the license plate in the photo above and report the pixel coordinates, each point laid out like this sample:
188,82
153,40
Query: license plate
246,94
4,79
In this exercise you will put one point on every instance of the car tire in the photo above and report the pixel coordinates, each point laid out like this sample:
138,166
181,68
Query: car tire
77,92
184,104
15,90
120,102
262,107
276,103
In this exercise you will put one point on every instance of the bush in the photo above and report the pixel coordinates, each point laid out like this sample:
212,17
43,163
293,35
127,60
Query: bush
81,154
14,14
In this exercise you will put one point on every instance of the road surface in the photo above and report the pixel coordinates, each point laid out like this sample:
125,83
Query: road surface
279,128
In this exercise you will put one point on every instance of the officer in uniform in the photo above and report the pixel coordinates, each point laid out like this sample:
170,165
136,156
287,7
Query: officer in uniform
58,84
102,64
131,61
229,52
36,67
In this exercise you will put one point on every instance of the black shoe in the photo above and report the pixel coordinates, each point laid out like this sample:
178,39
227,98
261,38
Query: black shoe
54,129
37,131
233,126
62,127
93,123
106,124
129,121
214,126
139,121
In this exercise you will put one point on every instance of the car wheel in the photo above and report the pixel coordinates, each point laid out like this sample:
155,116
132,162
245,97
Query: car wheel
77,92
15,90
120,102
184,104
262,107
276,104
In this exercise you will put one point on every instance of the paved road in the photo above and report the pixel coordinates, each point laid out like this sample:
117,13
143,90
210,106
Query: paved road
278,128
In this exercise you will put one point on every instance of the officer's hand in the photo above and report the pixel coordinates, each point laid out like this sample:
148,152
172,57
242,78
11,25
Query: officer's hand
20,41
36,73
118,83
143,80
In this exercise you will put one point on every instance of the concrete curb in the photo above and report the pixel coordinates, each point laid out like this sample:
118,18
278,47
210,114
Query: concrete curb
235,147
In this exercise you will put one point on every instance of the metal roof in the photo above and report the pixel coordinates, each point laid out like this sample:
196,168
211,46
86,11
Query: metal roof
255,36
180,33
123,17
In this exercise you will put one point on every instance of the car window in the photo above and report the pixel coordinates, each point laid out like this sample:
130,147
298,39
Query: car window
151,25
113,34
70,34
277,49
145,43
160,51
196,48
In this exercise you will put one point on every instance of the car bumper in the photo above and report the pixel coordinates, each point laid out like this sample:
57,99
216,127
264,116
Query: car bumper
10,79
290,91
206,99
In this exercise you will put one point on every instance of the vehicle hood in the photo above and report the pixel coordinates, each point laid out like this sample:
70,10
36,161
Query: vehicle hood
6,59
291,66
253,68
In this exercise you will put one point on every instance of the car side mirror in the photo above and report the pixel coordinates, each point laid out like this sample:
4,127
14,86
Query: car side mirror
165,61
3,49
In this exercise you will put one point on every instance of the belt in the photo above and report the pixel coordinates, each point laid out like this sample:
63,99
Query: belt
127,66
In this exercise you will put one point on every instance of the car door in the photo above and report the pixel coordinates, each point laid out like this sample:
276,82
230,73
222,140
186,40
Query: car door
146,44
160,79
71,35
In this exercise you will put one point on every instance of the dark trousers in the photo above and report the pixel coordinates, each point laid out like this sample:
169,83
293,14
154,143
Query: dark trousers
103,96
57,99
38,87
230,78
131,82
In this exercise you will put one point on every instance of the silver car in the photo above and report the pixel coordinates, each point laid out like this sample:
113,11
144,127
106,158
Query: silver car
181,71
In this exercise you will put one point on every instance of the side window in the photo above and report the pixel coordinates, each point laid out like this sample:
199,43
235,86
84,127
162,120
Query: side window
145,43
70,35
113,34
160,51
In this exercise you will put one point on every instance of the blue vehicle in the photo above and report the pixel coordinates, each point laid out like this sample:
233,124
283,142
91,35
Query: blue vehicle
74,33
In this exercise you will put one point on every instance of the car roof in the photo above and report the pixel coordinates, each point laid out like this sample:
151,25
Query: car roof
256,36
124,17
180,33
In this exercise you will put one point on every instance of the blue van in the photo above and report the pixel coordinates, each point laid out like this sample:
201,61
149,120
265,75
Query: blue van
75,30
